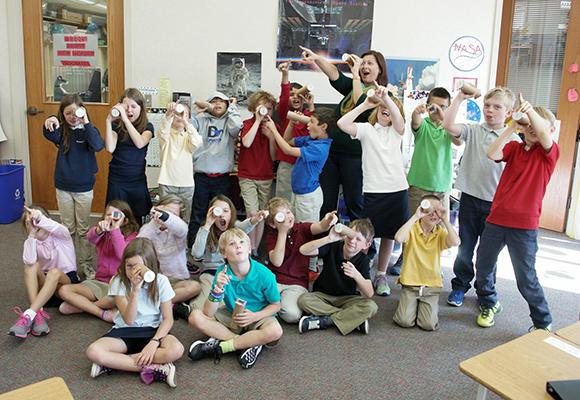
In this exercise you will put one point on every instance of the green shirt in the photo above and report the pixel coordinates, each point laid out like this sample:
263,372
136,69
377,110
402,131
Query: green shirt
432,166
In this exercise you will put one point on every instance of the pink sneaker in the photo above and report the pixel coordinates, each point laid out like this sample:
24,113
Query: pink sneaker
109,315
22,326
159,372
39,325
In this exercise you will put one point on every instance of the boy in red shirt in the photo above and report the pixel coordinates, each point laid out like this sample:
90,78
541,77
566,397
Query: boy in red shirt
255,164
515,214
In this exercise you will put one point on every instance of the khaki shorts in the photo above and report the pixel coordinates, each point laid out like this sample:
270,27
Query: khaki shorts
174,281
306,207
99,289
416,194
255,193
224,317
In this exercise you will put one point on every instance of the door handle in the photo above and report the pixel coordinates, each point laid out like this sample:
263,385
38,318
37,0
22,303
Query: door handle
33,111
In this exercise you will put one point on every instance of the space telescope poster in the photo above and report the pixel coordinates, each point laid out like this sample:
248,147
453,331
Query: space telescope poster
327,27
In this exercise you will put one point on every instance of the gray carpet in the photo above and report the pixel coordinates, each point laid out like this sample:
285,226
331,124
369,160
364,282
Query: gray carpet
390,362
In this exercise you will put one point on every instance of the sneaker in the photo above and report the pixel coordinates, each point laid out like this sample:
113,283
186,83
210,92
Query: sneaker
22,326
192,268
109,315
181,310
487,316
382,285
159,373
364,327
534,328
201,349
455,298
395,269
39,325
97,370
309,323
248,357
67,308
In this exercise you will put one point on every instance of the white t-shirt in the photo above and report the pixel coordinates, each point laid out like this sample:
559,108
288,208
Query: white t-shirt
148,314
382,161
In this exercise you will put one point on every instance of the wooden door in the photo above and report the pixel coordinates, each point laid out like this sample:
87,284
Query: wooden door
555,205
43,152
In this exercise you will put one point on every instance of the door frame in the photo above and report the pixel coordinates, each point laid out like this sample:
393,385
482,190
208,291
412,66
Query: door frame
555,205
33,43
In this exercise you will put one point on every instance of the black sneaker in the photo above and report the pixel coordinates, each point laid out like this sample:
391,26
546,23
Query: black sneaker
395,269
311,323
192,268
248,357
364,327
181,310
201,349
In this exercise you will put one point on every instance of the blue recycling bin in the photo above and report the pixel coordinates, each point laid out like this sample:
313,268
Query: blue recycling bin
11,192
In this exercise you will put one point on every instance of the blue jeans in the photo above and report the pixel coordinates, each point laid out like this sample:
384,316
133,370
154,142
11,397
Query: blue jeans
206,188
472,215
522,245
348,171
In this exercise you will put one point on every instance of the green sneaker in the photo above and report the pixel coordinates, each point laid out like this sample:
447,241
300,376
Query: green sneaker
487,316
535,328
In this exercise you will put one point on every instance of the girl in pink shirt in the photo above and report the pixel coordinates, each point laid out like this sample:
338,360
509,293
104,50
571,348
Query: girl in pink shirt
116,228
49,262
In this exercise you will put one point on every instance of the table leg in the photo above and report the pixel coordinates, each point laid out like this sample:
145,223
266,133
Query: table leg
481,392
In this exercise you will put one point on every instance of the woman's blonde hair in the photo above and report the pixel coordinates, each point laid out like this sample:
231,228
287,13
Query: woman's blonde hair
373,118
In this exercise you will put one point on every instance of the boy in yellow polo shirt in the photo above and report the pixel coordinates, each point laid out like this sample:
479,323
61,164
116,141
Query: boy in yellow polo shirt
420,277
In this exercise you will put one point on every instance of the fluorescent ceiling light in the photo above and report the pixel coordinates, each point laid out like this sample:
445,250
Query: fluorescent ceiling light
85,1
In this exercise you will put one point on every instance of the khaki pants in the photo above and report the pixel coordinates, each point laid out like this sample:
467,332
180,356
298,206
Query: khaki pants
306,207
418,304
75,215
415,195
347,312
289,310
283,180
185,192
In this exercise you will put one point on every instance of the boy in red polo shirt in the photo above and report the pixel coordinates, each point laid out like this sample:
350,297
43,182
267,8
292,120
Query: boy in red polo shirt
515,214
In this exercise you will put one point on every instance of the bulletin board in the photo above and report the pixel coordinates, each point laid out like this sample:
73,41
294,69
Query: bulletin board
153,157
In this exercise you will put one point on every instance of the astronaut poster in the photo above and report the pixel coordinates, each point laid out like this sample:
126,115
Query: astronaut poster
239,75
327,27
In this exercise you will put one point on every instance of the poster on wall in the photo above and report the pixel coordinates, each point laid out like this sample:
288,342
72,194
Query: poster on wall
84,81
75,50
239,75
329,28
466,53
412,74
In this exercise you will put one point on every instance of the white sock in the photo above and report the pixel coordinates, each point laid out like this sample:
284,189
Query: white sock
381,272
31,314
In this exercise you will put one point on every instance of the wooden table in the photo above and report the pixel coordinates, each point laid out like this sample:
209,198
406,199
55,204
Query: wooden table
50,389
571,333
520,369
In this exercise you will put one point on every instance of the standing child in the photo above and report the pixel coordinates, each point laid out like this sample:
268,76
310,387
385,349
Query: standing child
386,201
140,340
515,214
206,243
214,159
311,152
286,262
241,278
168,233
290,100
334,299
113,232
49,263
424,240
74,173
127,137
255,167
477,178
178,139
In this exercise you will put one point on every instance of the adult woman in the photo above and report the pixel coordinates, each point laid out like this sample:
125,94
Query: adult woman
344,164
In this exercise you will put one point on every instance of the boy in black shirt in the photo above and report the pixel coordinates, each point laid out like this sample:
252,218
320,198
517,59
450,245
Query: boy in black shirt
335,299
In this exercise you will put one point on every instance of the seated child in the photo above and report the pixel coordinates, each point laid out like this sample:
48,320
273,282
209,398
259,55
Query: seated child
255,167
312,152
424,240
49,262
206,243
111,235
168,233
140,340
290,100
214,159
245,279
178,139
345,273
286,262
